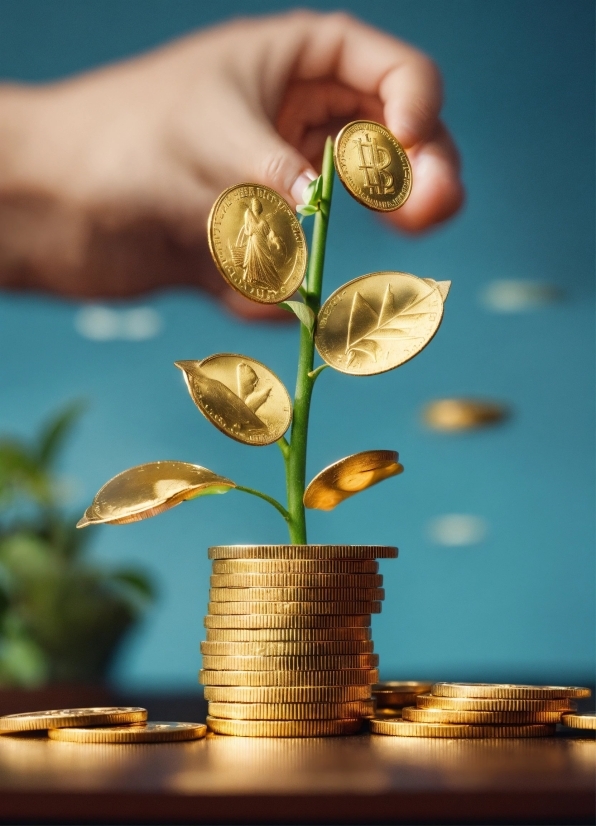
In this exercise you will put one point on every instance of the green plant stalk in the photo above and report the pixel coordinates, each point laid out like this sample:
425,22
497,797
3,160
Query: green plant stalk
296,460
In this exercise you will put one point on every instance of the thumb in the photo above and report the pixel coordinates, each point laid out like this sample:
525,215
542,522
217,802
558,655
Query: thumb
265,158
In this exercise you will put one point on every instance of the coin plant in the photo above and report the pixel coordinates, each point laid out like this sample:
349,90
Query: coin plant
370,325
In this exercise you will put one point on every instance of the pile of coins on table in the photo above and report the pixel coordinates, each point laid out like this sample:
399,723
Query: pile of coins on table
289,650
392,696
475,710
115,724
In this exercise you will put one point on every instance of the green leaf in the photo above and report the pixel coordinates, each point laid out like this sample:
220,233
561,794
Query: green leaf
55,432
302,311
311,196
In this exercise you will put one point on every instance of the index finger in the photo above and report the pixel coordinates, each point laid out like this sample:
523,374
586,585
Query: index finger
405,80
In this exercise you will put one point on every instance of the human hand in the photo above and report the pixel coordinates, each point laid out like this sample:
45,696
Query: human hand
106,179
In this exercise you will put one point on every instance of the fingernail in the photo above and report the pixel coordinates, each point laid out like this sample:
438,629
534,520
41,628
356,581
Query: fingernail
302,181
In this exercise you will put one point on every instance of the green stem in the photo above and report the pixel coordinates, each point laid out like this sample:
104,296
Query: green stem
296,465
277,505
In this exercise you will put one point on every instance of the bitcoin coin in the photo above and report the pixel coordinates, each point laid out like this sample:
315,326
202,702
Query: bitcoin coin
291,711
281,621
585,720
298,635
316,663
285,649
378,322
294,608
292,567
296,695
64,717
155,732
402,728
147,490
441,715
462,414
345,676
284,728
307,552
257,243
373,165
506,691
399,693
332,581
240,396
485,704
351,475
287,595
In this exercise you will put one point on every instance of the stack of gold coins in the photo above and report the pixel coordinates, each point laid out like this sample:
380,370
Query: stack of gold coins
289,650
474,710
391,696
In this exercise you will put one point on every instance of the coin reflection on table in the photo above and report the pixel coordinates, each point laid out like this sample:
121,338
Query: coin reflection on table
463,414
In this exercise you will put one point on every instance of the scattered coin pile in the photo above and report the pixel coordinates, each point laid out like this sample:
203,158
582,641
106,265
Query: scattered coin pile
391,696
475,710
289,650
100,725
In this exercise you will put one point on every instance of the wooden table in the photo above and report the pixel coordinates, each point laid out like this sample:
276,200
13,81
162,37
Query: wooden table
363,779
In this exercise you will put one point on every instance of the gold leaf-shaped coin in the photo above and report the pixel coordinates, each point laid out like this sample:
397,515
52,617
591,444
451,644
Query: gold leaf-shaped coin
379,321
343,479
372,165
257,243
147,490
240,396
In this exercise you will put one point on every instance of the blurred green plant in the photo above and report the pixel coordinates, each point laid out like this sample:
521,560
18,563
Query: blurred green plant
62,617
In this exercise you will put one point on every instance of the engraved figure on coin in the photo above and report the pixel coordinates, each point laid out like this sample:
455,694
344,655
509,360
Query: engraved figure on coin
374,163
258,250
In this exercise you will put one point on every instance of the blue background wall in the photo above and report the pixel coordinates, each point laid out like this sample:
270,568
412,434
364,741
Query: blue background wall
520,604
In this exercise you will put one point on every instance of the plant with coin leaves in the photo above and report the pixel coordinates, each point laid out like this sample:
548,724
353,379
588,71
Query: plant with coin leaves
62,617
370,325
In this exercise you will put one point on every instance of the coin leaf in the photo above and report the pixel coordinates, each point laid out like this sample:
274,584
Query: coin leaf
147,490
302,311
349,476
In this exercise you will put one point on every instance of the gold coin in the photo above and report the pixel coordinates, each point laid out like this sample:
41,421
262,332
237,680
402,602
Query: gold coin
345,676
332,581
387,713
506,691
281,621
64,717
158,732
402,728
305,663
288,635
373,165
343,479
484,704
285,649
295,594
399,693
284,728
291,711
257,243
462,414
296,695
581,719
294,608
378,322
291,567
146,490
240,396
307,552
441,715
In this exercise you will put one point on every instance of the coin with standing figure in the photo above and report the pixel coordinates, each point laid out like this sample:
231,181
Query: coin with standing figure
257,243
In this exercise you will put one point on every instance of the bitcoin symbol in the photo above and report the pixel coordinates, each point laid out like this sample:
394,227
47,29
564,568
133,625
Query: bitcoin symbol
374,161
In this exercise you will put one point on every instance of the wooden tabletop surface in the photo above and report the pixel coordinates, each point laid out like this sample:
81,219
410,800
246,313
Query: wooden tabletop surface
363,779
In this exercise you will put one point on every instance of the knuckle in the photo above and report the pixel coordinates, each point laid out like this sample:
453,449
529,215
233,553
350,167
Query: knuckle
273,169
